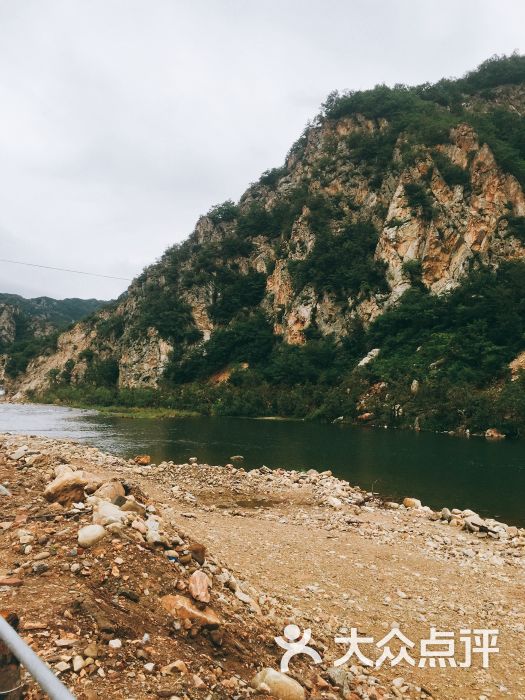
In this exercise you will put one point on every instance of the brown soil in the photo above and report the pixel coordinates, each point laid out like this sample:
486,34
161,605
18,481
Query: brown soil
303,561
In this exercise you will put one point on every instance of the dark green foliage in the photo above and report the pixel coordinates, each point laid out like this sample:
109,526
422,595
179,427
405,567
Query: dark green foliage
26,348
497,70
467,336
270,178
234,292
170,315
67,372
316,362
373,150
223,213
342,264
517,227
111,327
412,269
247,340
451,173
504,132
234,247
419,200
257,221
102,372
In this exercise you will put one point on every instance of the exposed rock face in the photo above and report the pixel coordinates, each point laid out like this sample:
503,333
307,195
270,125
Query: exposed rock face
142,363
468,225
461,228
70,345
7,324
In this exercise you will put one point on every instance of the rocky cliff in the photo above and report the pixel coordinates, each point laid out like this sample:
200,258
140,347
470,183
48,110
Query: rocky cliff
384,190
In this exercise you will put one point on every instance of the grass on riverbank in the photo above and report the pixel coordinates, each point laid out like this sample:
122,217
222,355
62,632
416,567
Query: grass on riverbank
135,412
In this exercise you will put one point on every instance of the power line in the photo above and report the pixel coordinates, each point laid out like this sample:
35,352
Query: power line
65,269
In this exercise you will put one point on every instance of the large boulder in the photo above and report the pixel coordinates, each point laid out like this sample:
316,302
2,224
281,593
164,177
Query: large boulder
70,486
110,490
182,608
278,684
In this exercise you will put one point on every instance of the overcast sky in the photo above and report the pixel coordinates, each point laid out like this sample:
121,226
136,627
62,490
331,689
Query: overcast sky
121,121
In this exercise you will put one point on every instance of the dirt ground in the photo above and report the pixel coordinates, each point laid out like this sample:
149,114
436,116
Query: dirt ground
301,555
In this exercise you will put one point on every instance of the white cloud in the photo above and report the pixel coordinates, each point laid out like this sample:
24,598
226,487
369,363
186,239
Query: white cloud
123,120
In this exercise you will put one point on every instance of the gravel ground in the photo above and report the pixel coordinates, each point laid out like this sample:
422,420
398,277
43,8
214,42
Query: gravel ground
268,549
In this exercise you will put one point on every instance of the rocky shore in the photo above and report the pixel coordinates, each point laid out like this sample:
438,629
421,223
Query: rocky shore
135,580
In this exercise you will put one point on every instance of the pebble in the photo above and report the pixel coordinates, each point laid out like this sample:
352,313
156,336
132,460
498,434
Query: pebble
91,651
41,555
78,663
10,581
115,644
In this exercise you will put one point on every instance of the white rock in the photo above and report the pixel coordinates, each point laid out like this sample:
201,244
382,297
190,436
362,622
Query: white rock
115,644
106,513
18,454
281,687
90,535
78,663
368,358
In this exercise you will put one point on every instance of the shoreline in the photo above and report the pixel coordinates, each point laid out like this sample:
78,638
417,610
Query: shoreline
491,434
164,414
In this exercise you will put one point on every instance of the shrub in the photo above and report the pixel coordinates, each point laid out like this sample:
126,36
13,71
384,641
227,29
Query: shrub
517,227
451,173
342,264
171,316
419,200
412,269
223,213
270,178
235,292
249,340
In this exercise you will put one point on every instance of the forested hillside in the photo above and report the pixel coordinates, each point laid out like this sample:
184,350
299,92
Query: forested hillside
396,225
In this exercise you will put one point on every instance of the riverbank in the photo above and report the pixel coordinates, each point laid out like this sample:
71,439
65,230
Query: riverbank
280,547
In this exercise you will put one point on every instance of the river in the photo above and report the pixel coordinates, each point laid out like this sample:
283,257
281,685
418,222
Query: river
488,477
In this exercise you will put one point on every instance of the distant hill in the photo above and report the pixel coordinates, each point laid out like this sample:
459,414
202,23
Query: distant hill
31,326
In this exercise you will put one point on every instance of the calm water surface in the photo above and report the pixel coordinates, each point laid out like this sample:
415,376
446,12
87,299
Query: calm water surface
488,477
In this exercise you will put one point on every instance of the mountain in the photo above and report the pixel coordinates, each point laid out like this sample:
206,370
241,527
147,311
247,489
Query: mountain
29,327
378,274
